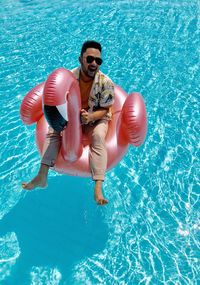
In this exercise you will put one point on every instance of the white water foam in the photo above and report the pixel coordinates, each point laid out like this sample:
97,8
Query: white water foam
9,253
45,276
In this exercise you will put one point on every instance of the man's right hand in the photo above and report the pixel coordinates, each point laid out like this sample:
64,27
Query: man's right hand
86,117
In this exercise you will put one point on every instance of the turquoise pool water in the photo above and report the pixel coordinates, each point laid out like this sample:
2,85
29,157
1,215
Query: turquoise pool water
149,232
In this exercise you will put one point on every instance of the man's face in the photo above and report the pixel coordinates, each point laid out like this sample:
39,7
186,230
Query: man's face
89,65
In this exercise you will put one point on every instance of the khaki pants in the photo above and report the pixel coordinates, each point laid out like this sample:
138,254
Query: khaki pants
98,153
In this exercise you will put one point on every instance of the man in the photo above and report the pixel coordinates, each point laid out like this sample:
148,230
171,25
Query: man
97,96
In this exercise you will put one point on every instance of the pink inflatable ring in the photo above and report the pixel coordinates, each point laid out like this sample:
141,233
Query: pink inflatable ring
61,90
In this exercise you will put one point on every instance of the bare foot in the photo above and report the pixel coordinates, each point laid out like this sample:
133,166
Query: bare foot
101,201
38,181
98,196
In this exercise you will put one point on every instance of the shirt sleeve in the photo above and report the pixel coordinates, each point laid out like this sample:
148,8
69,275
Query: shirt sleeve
107,94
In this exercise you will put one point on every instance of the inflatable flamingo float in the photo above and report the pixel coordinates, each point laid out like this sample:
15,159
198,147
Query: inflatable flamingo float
59,99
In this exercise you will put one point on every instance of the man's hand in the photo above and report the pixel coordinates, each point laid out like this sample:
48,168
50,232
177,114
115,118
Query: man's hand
85,117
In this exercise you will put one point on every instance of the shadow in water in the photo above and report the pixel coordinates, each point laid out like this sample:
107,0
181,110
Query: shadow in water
55,227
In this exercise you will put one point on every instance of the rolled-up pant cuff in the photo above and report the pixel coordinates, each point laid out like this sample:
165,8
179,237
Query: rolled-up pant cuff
98,177
49,162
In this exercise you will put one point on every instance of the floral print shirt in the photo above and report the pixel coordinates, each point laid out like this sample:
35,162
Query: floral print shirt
102,92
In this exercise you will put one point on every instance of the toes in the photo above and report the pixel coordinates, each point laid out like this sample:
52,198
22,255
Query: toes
26,186
102,202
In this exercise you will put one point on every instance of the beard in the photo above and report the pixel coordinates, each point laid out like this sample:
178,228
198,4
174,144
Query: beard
90,71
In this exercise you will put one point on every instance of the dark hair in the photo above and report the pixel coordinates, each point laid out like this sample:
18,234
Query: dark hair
90,44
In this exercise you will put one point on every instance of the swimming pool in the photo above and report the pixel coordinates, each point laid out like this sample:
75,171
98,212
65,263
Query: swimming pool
149,232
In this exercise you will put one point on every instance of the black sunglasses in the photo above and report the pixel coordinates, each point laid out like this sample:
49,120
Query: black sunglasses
91,58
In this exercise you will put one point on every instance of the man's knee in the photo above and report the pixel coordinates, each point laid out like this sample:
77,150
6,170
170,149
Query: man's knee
98,137
100,132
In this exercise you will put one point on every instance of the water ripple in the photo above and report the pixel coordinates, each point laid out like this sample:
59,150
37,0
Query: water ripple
46,276
9,253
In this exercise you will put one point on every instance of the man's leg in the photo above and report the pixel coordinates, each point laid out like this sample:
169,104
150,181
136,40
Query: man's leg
98,158
49,155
